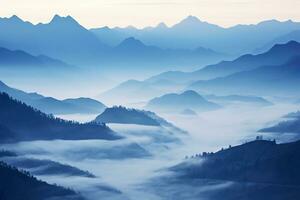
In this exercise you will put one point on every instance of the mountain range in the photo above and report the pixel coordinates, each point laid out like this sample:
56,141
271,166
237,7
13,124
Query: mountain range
292,125
54,106
280,79
23,60
19,122
191,33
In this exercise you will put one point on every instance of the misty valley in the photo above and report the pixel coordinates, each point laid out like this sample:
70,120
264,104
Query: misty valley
183,112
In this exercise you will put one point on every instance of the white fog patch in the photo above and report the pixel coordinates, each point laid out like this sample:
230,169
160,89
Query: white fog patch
124,178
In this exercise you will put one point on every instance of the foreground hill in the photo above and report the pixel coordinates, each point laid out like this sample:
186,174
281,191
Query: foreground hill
255,170
52,105
27,123
266,80
258,161
17,185
178,102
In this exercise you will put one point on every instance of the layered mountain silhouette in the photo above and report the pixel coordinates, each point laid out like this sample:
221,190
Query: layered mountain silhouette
134,52
25,123
51,39
178,102
55,106
85,48
23,60
292,125
18,185
230,99
292,36
281,79
191,33
277,55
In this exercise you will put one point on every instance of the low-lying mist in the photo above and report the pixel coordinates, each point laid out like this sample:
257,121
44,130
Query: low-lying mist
123,167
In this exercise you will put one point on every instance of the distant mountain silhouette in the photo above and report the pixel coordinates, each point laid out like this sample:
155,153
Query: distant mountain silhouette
51,39
122,115
292,36
27,123
281,79
293,115
191,33
132,51
23,60
19,185
188,112
132,90
288,126
258,162
52,105
177,102
84,48
253,100
278,54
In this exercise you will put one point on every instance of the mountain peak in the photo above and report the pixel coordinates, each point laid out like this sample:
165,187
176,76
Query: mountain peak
190,93
131,42
58,19
162,25
191,19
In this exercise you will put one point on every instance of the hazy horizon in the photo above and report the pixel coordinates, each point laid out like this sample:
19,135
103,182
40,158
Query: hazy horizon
225,13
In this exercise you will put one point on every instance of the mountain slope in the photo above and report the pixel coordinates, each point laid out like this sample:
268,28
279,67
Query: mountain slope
123,115
267,80
292,36
29,124
288,126
258,161
52,105
22,59
52,39
179,102
278,54
17,185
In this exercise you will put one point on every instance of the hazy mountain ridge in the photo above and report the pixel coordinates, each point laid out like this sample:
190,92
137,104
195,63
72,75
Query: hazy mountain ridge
178,102
191,33
54,106
21,59
279,79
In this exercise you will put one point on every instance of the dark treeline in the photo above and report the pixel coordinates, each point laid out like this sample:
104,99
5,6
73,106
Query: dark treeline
20,185
21,122
119,114
259,161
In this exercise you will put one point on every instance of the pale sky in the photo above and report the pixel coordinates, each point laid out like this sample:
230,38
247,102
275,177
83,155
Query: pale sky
141,13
